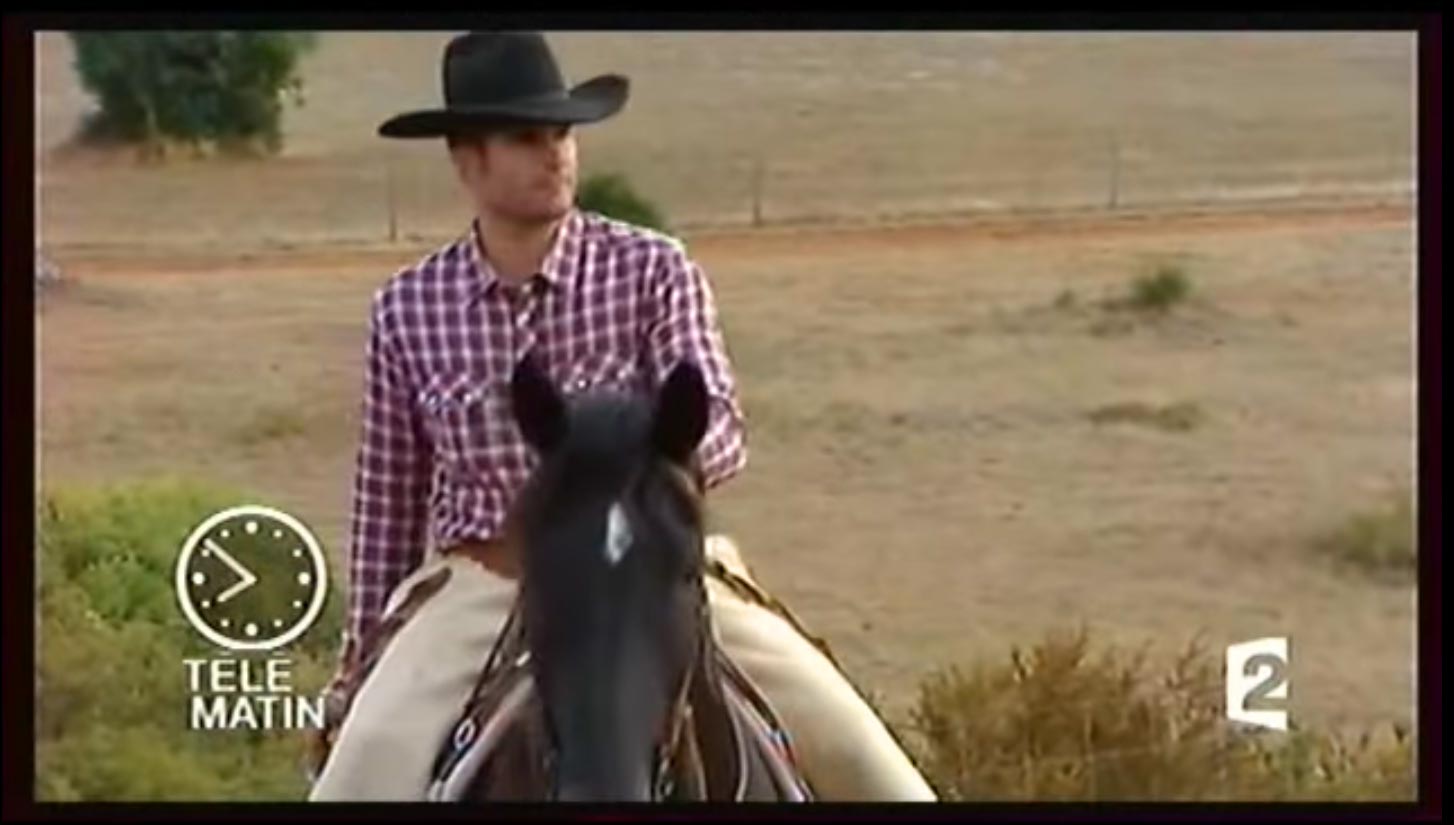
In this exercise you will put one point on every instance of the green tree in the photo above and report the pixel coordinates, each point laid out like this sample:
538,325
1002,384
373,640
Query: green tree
223,89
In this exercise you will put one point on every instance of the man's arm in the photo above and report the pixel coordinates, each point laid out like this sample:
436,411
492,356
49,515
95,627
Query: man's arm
391,484
686,328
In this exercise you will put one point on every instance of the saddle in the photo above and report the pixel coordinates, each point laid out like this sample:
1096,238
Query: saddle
732,743
499,749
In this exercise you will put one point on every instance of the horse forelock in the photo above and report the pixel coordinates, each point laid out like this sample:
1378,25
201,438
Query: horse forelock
606,430
607,452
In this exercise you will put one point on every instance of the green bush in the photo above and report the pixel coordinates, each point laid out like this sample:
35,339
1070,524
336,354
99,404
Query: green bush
613,195
1380,542
111,688
271,424
1160,290
1180,417
1058,723
1053,723
221,89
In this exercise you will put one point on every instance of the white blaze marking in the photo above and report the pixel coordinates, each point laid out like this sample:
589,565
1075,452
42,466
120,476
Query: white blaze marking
618,535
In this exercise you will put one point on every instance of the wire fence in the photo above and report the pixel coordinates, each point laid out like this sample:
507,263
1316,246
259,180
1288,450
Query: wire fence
413,198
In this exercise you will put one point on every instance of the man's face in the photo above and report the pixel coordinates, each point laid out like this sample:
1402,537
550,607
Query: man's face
524,175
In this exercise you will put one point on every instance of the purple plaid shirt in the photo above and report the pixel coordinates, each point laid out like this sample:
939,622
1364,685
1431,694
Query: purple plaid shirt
440,455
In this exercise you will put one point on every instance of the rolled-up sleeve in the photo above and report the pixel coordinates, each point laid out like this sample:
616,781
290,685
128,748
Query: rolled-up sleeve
389,513
687,328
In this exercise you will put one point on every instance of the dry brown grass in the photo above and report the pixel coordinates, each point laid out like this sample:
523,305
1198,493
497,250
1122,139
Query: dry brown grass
846,125
1379,542
1180,417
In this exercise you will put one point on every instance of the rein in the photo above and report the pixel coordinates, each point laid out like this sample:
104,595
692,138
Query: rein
669,746
680,712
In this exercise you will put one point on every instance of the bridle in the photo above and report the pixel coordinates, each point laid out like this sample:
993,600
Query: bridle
668,747
679,713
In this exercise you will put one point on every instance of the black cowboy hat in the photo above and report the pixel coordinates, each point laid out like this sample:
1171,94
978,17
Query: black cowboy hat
501,78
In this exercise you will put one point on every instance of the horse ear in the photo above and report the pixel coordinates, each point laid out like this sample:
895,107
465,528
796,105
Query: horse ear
538,407
680,419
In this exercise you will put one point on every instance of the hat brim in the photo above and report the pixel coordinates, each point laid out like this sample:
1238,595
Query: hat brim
592,101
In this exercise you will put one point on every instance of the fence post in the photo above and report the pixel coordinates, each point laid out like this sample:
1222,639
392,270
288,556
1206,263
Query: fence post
757,181
1113,198
392,207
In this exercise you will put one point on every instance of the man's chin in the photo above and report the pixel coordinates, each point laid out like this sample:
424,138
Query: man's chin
557,208
540,217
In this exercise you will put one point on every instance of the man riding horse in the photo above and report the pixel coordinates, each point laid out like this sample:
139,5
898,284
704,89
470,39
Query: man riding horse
596,304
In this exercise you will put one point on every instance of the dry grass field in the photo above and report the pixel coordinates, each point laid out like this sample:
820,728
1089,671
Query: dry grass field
844,125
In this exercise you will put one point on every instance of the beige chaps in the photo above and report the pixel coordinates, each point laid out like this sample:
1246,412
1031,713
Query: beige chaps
400,717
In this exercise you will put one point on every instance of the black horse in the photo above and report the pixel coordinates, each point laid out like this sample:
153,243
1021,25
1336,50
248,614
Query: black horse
607,683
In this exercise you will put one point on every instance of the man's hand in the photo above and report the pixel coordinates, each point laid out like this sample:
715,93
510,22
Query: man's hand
336,695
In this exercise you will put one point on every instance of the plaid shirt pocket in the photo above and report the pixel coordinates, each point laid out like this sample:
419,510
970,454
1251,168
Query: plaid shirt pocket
459,408
604,371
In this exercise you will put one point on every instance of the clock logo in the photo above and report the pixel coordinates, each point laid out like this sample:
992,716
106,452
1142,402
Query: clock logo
251,578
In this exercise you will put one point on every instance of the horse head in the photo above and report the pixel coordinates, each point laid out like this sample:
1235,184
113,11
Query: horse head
612,598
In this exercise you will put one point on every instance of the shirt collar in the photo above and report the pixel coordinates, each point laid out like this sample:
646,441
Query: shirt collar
557,270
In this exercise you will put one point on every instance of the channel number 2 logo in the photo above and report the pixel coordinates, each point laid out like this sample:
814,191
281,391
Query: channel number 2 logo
1256,672
251,578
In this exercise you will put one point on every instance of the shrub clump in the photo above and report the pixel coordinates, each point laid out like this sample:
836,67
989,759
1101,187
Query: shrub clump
1059,722
612,195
